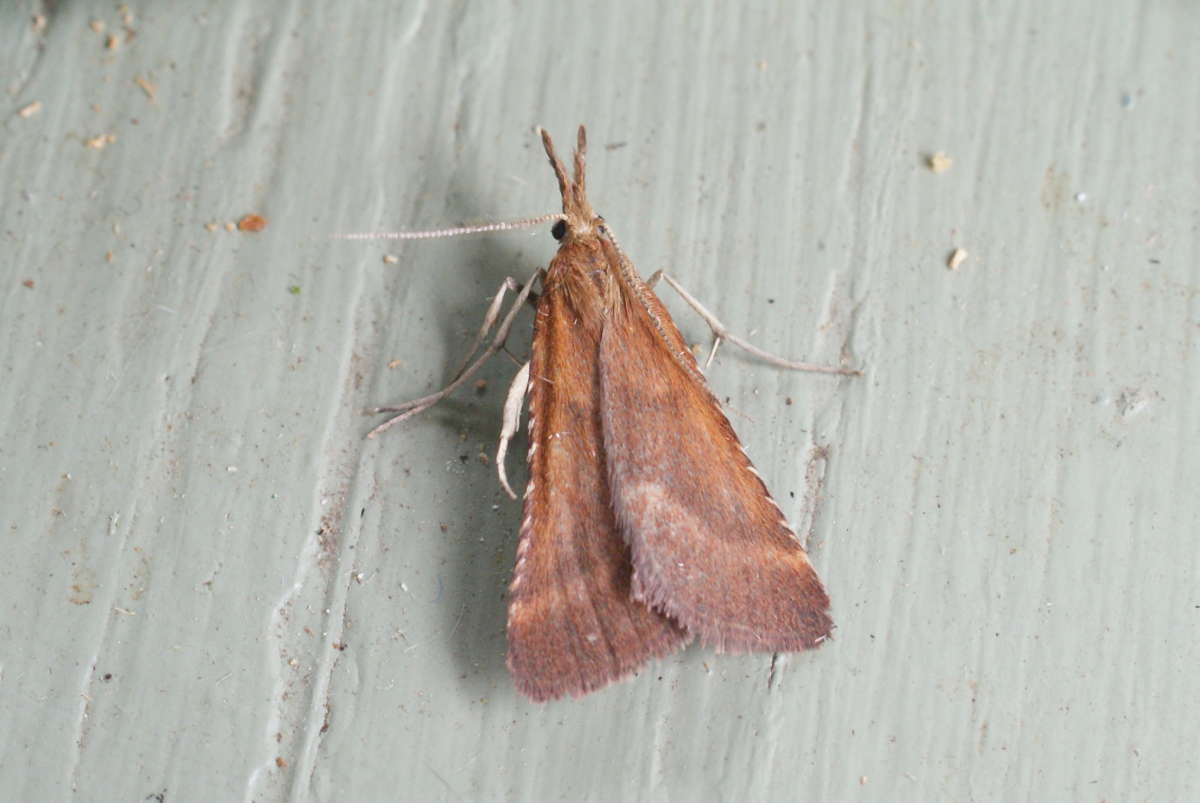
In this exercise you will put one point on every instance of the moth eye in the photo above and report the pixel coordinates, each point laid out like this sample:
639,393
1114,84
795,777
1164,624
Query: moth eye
559,230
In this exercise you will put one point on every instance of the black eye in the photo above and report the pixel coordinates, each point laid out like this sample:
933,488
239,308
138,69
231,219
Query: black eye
559,230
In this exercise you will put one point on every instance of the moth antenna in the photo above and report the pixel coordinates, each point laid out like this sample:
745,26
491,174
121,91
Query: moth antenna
580,153
455,231
560,172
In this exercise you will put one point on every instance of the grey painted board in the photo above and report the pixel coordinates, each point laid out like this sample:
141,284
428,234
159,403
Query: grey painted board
216,589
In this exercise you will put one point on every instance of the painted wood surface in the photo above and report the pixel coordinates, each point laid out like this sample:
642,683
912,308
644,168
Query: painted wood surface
214,588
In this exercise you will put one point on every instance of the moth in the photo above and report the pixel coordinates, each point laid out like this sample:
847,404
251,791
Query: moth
645,524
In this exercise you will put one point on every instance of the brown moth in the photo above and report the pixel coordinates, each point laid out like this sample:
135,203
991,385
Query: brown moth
644,523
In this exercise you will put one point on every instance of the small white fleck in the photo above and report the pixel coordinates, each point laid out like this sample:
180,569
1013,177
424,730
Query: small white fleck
939,162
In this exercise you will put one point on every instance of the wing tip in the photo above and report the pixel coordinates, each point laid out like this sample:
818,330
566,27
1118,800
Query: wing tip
543,681
767,622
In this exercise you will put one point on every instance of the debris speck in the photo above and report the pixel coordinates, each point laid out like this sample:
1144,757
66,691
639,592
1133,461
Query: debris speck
1081,197
100,142
252,223
113,42
294,289
940,162
97,26
1131,401
28,283
147,87
30,109
957,257
390,259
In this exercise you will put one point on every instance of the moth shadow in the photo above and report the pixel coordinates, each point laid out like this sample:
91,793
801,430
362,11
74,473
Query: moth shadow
480,556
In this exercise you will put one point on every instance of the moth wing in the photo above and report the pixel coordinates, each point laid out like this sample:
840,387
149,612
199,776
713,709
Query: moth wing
573,623
711,549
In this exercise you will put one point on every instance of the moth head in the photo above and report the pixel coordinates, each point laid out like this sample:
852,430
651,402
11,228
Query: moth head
579,219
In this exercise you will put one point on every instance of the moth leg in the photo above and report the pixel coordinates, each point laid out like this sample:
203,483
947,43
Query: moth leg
720,333
489,320
411,408
512,421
